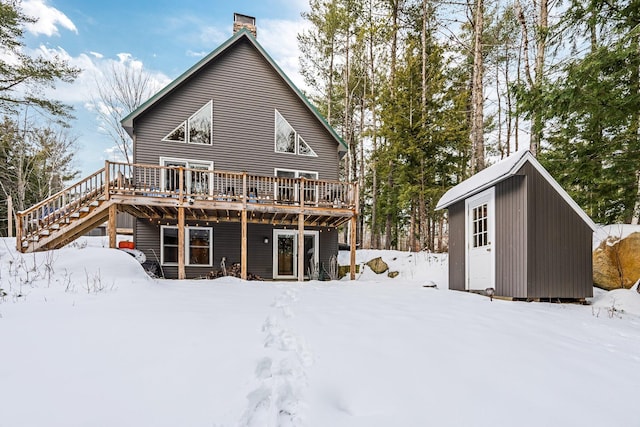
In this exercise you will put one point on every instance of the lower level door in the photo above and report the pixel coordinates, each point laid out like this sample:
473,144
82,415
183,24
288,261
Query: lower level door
285,254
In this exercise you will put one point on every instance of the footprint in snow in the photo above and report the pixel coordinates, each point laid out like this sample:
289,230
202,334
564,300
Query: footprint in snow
258,408
263,369
281,377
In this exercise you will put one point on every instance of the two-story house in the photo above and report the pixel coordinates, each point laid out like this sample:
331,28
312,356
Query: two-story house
232,164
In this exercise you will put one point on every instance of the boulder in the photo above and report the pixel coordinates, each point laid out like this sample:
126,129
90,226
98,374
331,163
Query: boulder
616,263
344,270
377,265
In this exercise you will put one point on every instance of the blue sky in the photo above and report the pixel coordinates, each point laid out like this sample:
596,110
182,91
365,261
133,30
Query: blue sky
164,37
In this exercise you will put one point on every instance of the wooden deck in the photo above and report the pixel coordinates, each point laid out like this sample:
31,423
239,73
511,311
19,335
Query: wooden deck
180,194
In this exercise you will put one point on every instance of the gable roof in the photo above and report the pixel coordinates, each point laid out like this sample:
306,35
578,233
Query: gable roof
127,122
499,172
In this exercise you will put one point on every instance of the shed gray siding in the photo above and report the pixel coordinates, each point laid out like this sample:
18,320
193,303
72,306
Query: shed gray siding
511,237
457,256
226,243
245,91
559,243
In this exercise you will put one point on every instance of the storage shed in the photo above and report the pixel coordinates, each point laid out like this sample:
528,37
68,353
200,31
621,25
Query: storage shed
514,229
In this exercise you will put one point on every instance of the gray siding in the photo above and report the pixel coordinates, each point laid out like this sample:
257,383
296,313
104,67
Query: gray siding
559,244
124,220
511,237
226,243
245,91
457,254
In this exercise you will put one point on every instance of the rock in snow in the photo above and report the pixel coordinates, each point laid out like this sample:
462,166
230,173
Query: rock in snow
616,263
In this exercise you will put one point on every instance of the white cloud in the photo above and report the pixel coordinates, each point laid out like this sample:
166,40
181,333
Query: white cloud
280,40
213,36
200,54
94,67
49,19
95,145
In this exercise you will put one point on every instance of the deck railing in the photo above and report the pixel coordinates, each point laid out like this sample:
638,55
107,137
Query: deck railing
206,184
183,184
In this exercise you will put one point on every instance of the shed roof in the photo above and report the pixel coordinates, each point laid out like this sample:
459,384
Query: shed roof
499,172
127,122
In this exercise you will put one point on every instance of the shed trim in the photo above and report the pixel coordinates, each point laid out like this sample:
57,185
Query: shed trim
500,171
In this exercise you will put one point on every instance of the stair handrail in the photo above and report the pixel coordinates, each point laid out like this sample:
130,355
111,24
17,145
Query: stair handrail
23,232
59,193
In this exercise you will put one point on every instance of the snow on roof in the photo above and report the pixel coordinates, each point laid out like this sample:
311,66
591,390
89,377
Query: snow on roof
500,171
482,180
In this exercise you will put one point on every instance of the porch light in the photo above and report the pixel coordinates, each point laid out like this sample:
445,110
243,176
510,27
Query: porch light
266,240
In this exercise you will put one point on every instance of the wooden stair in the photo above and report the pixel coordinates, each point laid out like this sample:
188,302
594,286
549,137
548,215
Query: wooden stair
65,216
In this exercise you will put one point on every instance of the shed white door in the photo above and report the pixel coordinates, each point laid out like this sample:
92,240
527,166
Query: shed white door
480,224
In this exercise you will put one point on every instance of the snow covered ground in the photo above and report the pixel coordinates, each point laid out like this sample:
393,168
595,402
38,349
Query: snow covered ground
615,231
87,339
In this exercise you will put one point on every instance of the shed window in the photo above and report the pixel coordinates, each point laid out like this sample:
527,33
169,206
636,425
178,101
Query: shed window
198,243
480,229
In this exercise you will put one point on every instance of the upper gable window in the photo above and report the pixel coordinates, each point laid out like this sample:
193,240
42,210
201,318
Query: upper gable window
197,129
288,140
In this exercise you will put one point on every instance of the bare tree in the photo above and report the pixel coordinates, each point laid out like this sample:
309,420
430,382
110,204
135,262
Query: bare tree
55,147
35,159
122,89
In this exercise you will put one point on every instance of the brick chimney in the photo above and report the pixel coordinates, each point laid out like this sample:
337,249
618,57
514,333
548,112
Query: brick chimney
244,21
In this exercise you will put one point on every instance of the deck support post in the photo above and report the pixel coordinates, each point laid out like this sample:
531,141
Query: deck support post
243,246
301,254
181,270
352,247
19,232
112,224
243,232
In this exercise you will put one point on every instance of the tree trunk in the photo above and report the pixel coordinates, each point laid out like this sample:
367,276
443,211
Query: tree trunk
509,105
375,234
389,218
543,27
390,202
330,86
499,102
477,94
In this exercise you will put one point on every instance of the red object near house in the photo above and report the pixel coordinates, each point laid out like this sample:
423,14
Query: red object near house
126,245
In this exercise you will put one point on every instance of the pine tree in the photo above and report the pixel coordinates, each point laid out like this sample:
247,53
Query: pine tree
594,109
22,77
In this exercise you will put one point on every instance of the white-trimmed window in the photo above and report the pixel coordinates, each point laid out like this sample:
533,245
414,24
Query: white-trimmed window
198,242
287,139
197,129
196,179
480,226
288,191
